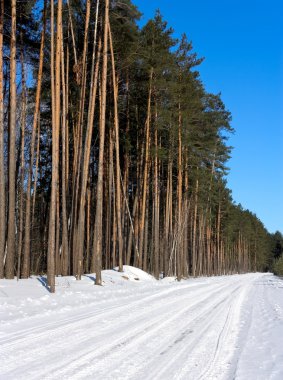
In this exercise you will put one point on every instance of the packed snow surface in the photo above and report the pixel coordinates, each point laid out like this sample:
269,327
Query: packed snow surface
135,327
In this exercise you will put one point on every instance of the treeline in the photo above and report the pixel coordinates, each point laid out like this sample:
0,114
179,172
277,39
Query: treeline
111,150
277,253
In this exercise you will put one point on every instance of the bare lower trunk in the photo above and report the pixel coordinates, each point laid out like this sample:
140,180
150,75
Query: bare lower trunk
156,205
194,245
22,165
55,93
179,191
11,238
26,252
2,168
97,243
87,147
117,150
145,171
78,158
65,244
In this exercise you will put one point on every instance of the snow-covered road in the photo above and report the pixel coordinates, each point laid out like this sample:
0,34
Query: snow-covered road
228,327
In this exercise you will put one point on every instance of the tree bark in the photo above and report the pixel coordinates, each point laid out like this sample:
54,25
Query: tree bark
117,150
65,244
26,252
97,244
55,93
145,171
194,245
156,204
78,260
87,148
22,165
179,191
11,239
2,166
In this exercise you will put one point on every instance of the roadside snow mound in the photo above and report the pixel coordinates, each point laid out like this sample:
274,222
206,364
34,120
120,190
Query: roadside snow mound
169,279
129,274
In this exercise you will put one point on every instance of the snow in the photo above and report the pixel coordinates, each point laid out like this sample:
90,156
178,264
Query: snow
135,327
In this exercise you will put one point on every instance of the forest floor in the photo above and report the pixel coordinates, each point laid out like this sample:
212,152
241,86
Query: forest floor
134,327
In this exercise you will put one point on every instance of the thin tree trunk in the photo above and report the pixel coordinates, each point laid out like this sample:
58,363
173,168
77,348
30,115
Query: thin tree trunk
131,234
72,33
2,166
200,245
168,219
219,264
145,172
156,204
79,224
36,171
26,252
11,239
22,165
194,246
87,149
114,224
208,249
109,200
97,244
145,255
57,238
78,157
186,208
88,199
179,191
55,93
117,150
65,244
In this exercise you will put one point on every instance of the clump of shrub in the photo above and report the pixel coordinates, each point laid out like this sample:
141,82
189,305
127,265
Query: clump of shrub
278,267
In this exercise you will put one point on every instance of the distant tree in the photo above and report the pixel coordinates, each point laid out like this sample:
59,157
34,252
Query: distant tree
277,245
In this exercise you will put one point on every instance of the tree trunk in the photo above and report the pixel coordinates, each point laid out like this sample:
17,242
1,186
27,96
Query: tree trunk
117,150
55,93
168,220
219,264
11,239
77,256
179,191
26,252
87,147
194,246
145,172
156,204
22,165
2,166
65,244
186,208
97,243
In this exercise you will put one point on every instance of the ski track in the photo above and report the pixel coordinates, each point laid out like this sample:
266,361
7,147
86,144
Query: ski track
87,323
194,330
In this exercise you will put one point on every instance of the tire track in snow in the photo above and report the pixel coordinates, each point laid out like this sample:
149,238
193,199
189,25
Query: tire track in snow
39,331
180,353
127,347
158,336
80,322
63,333
227,336
90,363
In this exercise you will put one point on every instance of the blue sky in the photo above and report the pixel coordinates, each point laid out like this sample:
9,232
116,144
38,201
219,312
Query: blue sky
242,42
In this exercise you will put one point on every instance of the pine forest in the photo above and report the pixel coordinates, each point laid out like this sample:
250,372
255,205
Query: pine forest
112,152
